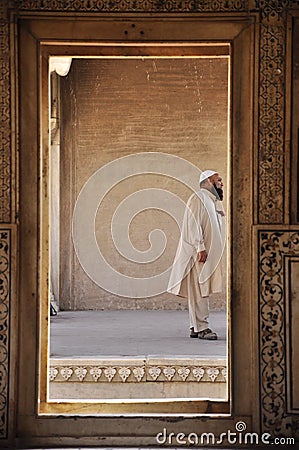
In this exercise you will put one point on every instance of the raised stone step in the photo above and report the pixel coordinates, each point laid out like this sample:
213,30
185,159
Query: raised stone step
127,378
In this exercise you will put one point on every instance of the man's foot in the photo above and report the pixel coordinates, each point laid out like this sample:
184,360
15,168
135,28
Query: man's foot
207,334
193,334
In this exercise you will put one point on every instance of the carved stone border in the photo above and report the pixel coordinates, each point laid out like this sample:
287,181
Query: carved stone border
124,6
271,134
5,118
273,247
5,291
115,371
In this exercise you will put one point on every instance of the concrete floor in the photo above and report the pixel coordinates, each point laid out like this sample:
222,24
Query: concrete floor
127,333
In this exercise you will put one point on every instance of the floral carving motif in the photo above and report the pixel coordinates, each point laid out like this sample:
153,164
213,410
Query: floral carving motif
273,247
5,281
198,373
53,372
124,373
169,372
109,373
154,372
80,372
271,123
66,372
135,5
5,118
95,372
273,8
224,372
4,265
213,373
138,373
183,372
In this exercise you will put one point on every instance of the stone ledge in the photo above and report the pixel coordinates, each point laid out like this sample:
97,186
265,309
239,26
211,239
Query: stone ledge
138,370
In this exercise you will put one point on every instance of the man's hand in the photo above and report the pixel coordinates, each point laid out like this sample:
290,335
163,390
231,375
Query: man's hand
202,256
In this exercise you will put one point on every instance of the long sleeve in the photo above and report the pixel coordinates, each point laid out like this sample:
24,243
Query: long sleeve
192,233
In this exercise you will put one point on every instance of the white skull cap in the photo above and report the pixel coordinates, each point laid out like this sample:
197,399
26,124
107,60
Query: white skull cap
206,174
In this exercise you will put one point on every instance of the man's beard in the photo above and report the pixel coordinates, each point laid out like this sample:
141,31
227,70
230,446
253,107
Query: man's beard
218,192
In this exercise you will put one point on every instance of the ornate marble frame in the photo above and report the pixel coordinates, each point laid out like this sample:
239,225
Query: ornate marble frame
276,246
5,293
270,182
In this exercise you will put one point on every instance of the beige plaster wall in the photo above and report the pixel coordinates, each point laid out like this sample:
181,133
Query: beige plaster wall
116,107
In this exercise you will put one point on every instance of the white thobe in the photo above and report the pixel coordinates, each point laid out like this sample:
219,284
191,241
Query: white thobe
202,229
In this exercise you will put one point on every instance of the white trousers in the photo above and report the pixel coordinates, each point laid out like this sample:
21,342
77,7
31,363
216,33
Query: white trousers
198,305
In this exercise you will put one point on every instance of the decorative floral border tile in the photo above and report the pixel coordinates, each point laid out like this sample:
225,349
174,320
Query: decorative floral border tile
117,372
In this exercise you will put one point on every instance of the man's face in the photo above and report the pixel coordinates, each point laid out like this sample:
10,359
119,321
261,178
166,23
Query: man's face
216,181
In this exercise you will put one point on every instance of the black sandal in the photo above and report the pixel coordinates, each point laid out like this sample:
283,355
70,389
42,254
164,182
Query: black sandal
207,334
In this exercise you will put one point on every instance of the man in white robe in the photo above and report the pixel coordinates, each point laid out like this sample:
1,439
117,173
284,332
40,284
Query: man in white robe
196,272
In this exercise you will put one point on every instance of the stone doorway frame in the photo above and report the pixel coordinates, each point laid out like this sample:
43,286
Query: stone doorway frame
55,39
267,42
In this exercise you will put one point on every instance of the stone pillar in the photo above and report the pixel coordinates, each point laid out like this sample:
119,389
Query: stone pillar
55,187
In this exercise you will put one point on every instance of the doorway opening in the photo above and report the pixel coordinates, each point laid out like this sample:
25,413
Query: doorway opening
129,138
